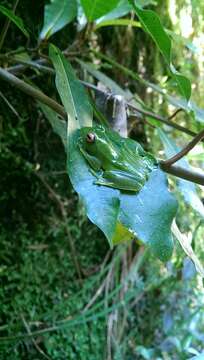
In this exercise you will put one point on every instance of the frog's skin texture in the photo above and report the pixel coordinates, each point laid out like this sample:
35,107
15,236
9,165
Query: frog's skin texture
115,161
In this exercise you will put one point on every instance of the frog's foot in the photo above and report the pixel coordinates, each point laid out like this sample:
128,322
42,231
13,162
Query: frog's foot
97,174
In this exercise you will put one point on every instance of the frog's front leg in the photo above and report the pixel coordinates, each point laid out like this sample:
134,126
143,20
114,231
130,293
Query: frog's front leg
93,161
120,180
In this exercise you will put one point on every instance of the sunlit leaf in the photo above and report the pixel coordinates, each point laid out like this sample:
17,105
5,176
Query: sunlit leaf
94,9
123,8
122,235
58,14
152,24
15,19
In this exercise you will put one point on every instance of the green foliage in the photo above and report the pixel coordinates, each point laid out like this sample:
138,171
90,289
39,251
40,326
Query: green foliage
58,14
63,293
151,23
153,218
15,19
94,9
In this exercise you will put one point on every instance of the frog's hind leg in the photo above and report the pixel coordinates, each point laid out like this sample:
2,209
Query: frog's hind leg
120,180
104,182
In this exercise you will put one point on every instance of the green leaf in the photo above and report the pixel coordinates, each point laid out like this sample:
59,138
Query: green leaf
122,234
149,214
122,9
102,203
15,19
187,189
152,25
57,15
94,9
119,215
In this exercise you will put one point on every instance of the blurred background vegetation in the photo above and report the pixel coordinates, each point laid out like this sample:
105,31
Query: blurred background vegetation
56,269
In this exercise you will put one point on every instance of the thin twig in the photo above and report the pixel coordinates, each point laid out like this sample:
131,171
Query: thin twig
32,91
96,295
185,150
162,119
182,173
33,340
175,113
10,106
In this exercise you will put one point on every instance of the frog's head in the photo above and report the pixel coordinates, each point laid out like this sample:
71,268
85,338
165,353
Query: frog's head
94,140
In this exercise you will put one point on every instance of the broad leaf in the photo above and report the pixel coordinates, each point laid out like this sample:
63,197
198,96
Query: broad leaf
94,9
152,24
122,9
187,189
102,203
58,14
15,19
147,214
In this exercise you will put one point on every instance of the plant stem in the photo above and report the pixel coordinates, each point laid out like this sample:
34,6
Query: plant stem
32,91
185,150
163,120
182,173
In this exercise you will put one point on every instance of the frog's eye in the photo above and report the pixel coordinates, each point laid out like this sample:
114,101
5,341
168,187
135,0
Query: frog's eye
90,137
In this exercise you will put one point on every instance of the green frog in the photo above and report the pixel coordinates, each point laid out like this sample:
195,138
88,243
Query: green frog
118,162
